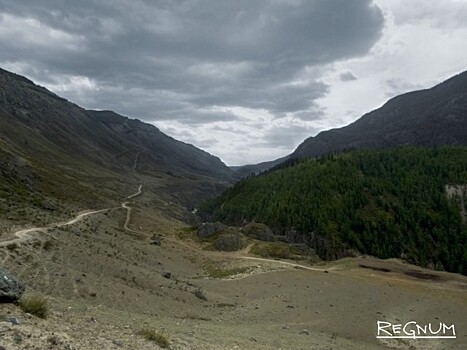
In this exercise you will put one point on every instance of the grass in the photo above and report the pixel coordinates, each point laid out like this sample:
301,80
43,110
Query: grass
225,273
186,232
160,338
192,316
273,250
35,305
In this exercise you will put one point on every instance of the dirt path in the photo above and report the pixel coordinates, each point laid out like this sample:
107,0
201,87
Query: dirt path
25,235
137,193
128,209
299,266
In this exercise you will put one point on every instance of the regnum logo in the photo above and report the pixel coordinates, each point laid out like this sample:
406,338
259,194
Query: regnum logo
413,330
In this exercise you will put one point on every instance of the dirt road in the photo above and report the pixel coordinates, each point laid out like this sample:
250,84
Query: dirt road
25,235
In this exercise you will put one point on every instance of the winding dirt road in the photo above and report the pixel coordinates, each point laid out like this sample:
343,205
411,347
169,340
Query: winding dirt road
137,193
25,235
125,206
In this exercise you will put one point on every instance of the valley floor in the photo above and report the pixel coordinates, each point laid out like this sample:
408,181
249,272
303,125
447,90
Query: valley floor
106,283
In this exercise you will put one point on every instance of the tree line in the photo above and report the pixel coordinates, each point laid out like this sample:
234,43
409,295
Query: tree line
385,203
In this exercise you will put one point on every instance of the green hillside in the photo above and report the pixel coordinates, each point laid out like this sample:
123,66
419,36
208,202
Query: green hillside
389,203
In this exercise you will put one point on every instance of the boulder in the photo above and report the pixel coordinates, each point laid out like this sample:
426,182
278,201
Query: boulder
10,288
259,231
156,239
209,229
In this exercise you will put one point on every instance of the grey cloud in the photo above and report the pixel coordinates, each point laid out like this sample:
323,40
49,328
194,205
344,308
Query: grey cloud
175,60
287,137
203,117
152,44
398,87
347,76
313,113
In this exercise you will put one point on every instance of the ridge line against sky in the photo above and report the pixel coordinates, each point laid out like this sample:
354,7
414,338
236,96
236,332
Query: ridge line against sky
244,80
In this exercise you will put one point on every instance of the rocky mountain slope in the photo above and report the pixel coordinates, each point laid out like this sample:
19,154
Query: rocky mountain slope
157,150
57,158
38,123
427,118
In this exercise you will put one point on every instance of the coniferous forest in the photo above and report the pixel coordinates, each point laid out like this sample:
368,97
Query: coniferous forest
385,203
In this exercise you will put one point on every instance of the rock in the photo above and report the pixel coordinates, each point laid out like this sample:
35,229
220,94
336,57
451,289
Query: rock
305,332
259,231
156,241
12,320
10,288
200,294
167,274
117,342
209,229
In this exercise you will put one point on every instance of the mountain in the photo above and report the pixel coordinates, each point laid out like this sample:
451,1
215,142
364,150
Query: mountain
427,118
157,150
53,126
245,170
53,151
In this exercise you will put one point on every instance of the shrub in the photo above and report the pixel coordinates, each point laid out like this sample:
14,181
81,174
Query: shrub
225,273
273,250
160,338
35,305
228,242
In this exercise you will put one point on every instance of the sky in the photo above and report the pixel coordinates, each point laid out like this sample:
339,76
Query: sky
246,80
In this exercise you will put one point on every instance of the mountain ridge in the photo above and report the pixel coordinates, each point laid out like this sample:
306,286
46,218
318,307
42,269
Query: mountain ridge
29,109
430,117
435,116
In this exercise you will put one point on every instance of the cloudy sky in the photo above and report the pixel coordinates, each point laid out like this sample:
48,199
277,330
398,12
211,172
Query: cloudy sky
246,80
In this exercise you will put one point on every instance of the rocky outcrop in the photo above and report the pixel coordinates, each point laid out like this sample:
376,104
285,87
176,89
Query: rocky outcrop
10,288
209,229
259,231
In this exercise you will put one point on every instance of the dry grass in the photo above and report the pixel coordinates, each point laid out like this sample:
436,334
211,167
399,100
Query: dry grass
160,338
35,305
278,250
225,273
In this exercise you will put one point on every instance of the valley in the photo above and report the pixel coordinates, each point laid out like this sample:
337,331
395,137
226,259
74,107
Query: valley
97,216
105,280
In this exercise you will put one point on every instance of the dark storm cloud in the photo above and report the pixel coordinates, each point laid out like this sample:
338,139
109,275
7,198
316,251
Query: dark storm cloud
173,57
